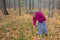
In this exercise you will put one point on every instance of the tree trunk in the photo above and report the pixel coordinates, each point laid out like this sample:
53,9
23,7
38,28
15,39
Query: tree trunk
29,4
14,5
8,3
19,7
4,8
40,5
49,4
1,4
45,5
55,4
58,4
32,4
25,2
51,8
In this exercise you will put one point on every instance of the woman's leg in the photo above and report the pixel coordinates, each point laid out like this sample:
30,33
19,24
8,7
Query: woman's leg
40,28
45,28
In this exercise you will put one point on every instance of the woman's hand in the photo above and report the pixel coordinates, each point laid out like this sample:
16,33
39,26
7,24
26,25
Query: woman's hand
34,27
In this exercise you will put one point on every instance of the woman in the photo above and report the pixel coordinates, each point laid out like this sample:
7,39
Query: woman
38,16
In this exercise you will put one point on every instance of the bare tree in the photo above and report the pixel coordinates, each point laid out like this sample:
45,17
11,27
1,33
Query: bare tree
14,4
58,4
32,4
8,3
45,3
29,4
40,5
19,1
51,8
1,4
55,4
25,2
4,8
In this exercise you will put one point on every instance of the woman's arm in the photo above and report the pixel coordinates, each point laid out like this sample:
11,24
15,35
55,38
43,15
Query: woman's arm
34,21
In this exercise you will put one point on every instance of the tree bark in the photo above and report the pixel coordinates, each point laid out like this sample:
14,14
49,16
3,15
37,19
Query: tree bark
29,4
1,4
25,2
4,8
19,1
40,5
51,9
32,4
14,4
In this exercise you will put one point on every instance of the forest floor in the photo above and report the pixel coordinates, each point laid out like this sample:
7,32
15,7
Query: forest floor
14,27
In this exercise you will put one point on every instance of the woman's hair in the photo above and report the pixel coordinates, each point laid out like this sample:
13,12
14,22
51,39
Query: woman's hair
32,12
